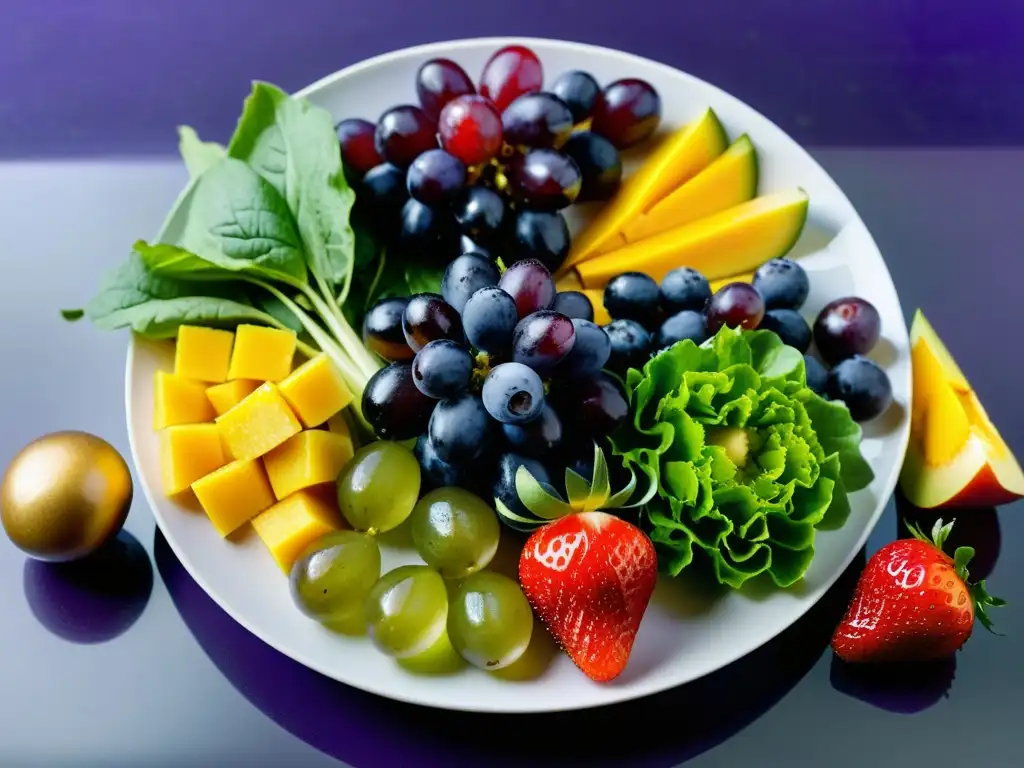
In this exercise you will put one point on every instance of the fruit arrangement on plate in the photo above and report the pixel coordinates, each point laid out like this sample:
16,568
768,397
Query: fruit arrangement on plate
389,325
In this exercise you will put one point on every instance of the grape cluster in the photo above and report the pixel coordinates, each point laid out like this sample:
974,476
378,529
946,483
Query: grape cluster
488,168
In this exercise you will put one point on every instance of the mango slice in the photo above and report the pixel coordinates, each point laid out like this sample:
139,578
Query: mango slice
294,523
258,424
262,353
309,458
224,397
339,425
743,277
676,160
234,494
177,400
203,354
187,453
733,241
316,391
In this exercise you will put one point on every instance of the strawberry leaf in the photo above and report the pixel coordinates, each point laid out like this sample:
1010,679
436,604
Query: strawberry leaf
982,602
508,514
576,488
600,484
540,499
961,558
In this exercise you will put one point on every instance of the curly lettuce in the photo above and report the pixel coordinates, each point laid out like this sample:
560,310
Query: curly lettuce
749,462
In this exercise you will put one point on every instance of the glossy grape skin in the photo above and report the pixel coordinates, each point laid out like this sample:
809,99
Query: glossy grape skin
590,351
455,532
464,276
442,369
331,579
470,128
406,611
403,134
435,177
513,393
490,622
633,296
480,213
426,233
529,283
579,90
599,163
382,329
384,186
736,305
542,340
543,180
467,245
489,318
438,81
460,428
435,472
631,345
504,488
627,112
509,73
392,405
428,317
688,324
862,385
536,120
541,236
782,283
593,406
538,438
358,151
379,487
574,304
790,326
684,288
817,376
847,327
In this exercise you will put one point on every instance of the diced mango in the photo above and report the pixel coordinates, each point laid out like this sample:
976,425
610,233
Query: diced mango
187,453
262,353
294,523
316,391
596,296
339,425
203,354
258,424
309,458
234,494
179,401
224,397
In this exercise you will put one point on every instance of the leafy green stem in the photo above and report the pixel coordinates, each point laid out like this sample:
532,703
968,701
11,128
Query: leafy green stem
339,326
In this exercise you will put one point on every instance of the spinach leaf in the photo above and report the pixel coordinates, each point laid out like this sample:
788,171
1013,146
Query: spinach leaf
197,154
171,260
423,279
258,140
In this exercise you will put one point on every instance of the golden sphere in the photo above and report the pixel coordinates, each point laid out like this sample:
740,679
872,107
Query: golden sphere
64,495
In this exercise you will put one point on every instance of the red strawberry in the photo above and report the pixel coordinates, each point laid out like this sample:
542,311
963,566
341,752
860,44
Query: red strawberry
589,577
913,602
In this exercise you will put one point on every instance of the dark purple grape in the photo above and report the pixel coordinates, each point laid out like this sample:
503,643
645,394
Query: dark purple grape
513,393
862,385
540,437
687,324
633,296
489,318
847,327
403,134
442,369
426,233
480,213
736,305
382,329
358,151
529,283
435,177
468,245
392,405
817,376
460,429
476,476
541,236
579,90
684,288
782,283
790,326
631,345
509,73
599,163
384,187
438,81
427,318
590,351
536,120
466,275
542,340
627,112
543,179
574,305
594,406
504,489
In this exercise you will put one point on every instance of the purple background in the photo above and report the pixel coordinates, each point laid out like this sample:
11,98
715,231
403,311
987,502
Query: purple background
115,76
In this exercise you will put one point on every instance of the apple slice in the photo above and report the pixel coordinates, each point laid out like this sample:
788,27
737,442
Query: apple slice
956,457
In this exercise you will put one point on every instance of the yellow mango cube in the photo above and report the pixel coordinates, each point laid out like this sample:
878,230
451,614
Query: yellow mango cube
339,425
260,423
309,458
262,353
234,494
203,354
179,401
187,453
316,391
224,397
294,523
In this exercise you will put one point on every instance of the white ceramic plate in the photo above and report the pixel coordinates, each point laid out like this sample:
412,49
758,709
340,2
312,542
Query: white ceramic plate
682,637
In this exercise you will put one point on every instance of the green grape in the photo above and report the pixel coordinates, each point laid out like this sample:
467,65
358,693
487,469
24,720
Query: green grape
455,531
379,488
490,622
332,578
406,610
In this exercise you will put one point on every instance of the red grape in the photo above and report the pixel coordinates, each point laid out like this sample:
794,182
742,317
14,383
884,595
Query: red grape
627,112
439,81
594,406
403,134
530,284
358,151
470,129
737,305
509,73
542,340
543,180
847,327
428,317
